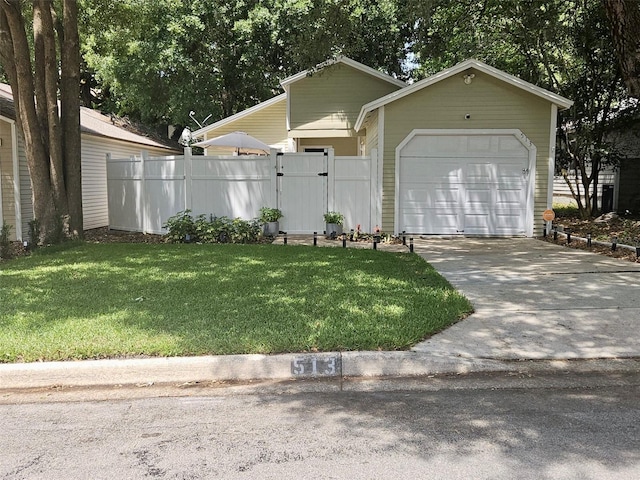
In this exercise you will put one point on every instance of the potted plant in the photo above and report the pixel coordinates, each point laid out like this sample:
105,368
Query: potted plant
334,222
269,218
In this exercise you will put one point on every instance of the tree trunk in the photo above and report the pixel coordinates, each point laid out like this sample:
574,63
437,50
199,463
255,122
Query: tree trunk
51,135
47,99
624,16
70,102
23,88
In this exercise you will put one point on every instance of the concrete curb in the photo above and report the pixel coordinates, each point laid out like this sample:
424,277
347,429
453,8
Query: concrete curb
247,368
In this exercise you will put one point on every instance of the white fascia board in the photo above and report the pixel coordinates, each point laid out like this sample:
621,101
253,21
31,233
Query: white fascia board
239,115
558,100
347,61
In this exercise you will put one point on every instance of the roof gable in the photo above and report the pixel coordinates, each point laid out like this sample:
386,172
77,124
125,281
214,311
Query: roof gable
347,61
244,113
558,100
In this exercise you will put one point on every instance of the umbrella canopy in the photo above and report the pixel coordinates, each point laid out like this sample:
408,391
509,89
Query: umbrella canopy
238,141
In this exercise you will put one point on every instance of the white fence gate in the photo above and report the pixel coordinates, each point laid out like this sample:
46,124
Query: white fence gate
143,192
302,191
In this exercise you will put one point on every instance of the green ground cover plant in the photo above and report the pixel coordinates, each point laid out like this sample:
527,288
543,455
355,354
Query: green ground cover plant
125,300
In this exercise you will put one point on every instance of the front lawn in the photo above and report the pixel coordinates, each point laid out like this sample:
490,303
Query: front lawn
121,300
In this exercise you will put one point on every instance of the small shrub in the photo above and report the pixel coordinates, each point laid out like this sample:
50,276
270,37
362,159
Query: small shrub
268,214
181,227
245,231
213,229
5,244
334,217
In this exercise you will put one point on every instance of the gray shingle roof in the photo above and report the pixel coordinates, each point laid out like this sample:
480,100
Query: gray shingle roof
93,122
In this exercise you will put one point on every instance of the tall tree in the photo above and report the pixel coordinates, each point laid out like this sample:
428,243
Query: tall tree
52,136
624,16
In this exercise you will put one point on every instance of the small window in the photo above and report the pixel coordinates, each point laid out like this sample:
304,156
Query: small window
314,149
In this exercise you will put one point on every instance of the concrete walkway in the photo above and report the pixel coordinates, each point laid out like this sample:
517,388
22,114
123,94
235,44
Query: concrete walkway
538,307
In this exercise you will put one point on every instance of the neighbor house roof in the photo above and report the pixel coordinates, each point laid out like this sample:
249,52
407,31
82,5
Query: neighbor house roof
92,122
347,61
244,113
461,67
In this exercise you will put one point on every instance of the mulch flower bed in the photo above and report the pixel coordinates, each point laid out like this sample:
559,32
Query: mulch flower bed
603,229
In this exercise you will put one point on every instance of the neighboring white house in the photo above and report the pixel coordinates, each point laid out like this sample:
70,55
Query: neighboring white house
100,135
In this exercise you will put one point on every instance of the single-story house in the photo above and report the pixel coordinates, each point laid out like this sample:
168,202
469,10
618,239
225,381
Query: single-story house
100,135
469,150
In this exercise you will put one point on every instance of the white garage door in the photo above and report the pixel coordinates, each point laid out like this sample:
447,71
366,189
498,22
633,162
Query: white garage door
473,184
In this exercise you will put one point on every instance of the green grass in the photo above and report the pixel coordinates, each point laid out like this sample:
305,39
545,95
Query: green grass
120,300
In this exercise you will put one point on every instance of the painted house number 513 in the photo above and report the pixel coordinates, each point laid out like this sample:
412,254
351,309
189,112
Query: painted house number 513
314,366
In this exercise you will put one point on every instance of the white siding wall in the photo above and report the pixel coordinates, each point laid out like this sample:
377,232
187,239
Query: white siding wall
94,174
94,178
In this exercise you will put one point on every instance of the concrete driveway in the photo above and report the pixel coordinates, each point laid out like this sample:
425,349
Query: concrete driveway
536,300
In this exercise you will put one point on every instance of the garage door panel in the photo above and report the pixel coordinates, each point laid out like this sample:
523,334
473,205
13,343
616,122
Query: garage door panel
436,145
479,172
431,197
477,198
440,169
509,143
472,184
508,198
445,221
477,223
509,222
511,169
479,144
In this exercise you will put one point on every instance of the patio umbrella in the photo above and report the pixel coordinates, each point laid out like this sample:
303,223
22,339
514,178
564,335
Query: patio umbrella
237,141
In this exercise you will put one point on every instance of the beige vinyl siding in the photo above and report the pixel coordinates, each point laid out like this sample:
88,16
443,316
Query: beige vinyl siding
7,201
371,128
268,125
343,146
94,174
331,99
492,104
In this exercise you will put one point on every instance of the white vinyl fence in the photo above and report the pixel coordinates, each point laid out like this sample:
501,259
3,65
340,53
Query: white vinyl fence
143,191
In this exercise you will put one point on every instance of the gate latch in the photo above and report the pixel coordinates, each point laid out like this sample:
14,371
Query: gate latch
323,174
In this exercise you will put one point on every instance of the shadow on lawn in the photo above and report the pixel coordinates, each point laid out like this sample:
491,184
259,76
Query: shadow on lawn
124,299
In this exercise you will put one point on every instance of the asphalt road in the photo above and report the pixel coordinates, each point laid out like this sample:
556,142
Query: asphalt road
557,427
